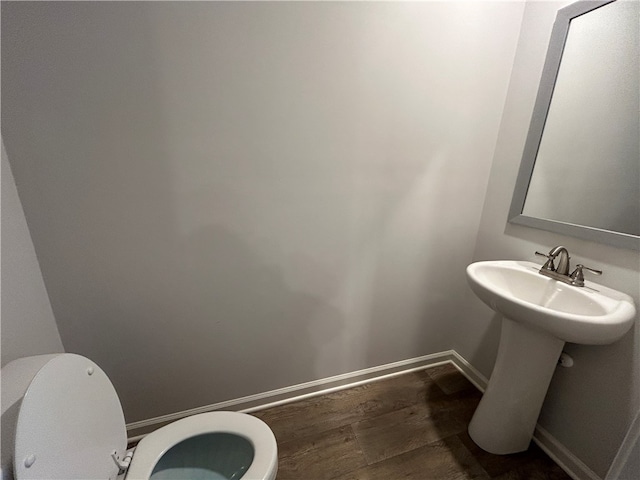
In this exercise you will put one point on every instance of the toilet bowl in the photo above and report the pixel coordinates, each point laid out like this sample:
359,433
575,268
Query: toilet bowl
69,424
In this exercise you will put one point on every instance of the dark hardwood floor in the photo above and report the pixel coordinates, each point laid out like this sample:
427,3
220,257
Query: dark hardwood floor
412,426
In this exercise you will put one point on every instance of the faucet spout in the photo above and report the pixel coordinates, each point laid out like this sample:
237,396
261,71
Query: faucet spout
562,254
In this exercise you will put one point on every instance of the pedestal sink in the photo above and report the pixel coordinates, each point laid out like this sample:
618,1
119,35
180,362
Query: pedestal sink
539,315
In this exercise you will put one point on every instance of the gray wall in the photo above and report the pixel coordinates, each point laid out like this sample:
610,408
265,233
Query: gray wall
28,326
228,198
589,406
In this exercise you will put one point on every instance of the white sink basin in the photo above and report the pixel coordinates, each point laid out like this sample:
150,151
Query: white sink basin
591,315
539,314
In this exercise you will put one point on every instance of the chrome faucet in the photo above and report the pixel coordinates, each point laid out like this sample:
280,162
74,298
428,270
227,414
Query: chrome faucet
561,272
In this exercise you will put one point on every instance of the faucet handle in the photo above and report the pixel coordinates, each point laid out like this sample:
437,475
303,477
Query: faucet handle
549,263
577,277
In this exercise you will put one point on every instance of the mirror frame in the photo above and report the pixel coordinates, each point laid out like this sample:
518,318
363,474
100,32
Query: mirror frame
536,128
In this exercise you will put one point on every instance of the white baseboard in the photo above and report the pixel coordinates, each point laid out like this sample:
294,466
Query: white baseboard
469,371
571,464
547,442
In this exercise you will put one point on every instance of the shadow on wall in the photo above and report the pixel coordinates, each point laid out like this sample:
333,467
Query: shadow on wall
416,281
244,331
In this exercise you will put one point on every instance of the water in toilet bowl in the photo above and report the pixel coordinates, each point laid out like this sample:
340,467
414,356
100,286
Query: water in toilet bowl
211,456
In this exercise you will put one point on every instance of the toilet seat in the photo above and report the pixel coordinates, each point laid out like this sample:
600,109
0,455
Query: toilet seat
88,427
153,446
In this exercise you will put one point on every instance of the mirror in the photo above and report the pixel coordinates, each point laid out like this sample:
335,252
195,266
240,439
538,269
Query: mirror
580,171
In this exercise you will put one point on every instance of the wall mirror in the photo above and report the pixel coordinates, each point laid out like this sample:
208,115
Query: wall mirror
580,170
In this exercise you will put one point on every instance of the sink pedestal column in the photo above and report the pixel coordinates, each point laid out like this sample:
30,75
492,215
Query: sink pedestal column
508,412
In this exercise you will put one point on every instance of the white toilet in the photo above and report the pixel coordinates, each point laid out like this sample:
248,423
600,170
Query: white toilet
67,423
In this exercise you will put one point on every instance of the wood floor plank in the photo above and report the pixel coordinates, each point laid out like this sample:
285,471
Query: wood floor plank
398,392
518,465
538,469
445,459
322,456
461,404
317,414
311,416
403,430
449,379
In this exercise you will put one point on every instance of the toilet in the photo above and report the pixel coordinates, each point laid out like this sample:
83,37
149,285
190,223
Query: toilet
66,422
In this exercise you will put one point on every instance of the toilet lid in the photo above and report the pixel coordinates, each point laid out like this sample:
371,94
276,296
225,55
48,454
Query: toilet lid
70,422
